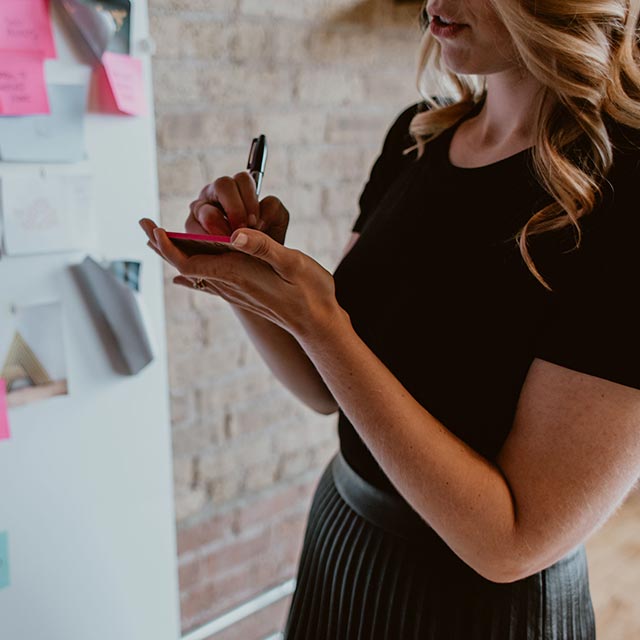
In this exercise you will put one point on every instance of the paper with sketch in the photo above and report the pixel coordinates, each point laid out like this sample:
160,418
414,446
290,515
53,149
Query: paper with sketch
25,27
57,137
103,25
44,214
32,352
22,85
120,84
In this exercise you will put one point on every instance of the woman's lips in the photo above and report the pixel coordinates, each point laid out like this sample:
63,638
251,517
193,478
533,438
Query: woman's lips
444,30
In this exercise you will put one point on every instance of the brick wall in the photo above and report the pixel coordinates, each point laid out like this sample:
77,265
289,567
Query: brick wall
323,79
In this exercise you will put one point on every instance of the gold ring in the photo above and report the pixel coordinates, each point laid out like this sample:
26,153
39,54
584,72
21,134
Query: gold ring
199,283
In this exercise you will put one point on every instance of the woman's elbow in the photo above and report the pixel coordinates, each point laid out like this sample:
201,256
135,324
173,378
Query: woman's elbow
326,408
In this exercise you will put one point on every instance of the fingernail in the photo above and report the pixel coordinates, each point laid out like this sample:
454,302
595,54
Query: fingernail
252,220
240,240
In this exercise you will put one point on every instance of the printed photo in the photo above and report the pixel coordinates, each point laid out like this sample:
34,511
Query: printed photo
32,353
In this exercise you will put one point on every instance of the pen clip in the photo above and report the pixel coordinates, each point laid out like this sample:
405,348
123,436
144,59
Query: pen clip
257,160
257,154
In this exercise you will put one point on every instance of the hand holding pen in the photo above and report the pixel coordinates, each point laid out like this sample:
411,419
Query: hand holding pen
230,203
224,205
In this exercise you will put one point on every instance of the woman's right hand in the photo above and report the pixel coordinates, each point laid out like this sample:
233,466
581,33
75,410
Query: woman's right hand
229,203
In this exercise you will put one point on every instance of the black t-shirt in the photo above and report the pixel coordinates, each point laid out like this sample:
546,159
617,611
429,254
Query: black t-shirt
440,294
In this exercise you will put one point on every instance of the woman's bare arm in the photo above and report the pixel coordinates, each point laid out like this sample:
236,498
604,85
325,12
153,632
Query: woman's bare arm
287,361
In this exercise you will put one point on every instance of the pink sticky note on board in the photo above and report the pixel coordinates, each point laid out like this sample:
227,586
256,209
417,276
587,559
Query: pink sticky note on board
25,27
4,416
121,84
23,90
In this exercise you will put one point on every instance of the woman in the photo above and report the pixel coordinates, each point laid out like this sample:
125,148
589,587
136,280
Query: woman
479,338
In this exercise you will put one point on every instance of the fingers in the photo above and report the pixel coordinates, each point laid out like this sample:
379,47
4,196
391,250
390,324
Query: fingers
225,190
208,219
274,218
148,226
153,246
247,189
169,251
284,261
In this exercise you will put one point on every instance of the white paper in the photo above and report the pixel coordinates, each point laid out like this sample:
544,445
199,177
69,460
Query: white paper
46,213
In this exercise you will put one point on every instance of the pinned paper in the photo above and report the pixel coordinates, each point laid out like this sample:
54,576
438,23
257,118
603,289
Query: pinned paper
57,137
46,213
5,434
22,85
121,84
32,353
25,27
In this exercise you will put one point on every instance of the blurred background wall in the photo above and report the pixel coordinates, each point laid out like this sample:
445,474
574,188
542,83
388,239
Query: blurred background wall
323,79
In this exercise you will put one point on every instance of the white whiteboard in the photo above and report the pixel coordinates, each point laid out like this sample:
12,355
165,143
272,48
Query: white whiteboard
86,490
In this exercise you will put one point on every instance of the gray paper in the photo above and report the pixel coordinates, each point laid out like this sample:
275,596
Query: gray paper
115,308
55,137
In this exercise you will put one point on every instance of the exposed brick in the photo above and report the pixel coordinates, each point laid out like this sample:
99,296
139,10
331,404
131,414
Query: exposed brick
182,407
180,175
183,36
291,126
223,8
253,417
384,87
188,502
362,48
198,129
174,211
273,9
325,165
276,500
204,433
359,127
261,475
245,85
323,80
330,86
212,530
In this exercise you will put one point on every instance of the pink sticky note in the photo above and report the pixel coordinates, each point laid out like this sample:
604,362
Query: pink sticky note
121,84
23,90
25,27
4,416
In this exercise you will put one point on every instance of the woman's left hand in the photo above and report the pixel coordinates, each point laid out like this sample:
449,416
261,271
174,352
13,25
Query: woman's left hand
283,285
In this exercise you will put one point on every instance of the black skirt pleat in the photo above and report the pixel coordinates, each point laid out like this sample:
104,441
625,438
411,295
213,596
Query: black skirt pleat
358,581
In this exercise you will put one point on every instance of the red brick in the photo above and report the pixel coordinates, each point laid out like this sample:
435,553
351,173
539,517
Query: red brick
211,530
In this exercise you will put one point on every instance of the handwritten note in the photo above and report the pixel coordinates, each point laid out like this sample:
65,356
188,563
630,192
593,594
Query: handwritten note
25,27
23,90
122,84
4,416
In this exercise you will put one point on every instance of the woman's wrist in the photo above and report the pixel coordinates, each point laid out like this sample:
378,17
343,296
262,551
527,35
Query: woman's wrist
325,324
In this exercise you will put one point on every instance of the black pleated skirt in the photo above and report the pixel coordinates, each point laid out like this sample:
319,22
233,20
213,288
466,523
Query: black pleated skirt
371,569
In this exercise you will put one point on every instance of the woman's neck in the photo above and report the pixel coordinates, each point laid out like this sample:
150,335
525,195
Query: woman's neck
509,110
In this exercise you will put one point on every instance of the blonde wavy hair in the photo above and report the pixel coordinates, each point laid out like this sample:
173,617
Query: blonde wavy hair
585,55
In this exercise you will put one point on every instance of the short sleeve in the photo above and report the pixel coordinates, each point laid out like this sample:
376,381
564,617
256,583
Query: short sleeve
592,321
389,163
